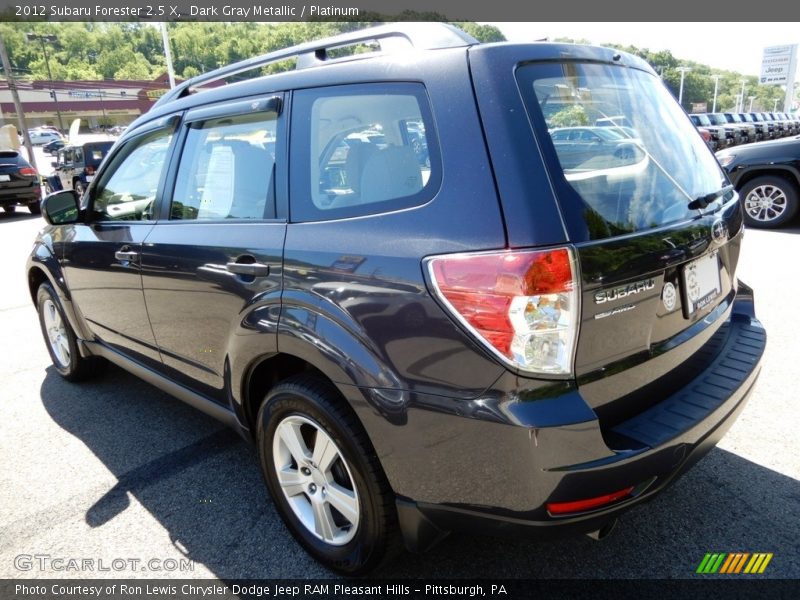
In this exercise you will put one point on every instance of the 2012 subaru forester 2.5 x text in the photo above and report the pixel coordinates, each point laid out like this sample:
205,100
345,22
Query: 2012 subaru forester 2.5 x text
426,313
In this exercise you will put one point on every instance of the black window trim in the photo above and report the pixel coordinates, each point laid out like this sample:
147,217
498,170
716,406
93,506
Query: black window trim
299,163
229,108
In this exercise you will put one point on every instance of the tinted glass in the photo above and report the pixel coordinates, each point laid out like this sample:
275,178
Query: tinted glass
127,189
361,150
644,179
226,170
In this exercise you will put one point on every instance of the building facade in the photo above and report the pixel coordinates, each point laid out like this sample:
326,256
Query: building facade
99,104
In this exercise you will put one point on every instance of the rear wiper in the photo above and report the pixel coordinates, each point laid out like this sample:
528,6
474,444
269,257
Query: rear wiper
701,202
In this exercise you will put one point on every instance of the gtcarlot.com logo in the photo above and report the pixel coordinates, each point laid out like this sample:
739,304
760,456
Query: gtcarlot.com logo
734,563
48,562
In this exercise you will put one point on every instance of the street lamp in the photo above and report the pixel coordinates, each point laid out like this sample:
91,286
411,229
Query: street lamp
775,105
716,87
683,71
741,96
32,37
750,107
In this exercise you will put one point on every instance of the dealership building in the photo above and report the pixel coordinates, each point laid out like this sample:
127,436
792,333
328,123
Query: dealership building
96,103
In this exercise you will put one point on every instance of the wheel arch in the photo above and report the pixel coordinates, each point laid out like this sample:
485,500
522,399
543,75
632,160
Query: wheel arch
783,171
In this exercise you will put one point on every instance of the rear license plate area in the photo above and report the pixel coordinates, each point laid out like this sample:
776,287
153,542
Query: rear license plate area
701,283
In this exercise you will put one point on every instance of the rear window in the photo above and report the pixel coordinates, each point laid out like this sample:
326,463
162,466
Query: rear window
608,186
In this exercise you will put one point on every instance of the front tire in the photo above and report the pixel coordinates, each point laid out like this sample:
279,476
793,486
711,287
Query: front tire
61,341
324,476
769,201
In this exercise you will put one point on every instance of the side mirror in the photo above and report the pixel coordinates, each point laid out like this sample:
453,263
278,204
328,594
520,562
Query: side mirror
61,208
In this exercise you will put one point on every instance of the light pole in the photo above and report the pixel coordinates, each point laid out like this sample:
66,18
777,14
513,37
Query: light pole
51,39
167,54
683,71
750,107
716,88
741,96
775,105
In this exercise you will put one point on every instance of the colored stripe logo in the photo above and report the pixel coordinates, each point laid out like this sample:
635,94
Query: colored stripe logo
732,563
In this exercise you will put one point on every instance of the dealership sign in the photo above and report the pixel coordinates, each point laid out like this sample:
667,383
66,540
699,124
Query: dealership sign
778,64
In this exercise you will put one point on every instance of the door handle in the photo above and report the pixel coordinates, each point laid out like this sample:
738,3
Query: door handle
124,255
252,269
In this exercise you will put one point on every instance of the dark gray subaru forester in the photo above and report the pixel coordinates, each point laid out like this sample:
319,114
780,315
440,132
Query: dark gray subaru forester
424,281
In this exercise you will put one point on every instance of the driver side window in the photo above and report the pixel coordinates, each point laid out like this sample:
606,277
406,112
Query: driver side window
127,188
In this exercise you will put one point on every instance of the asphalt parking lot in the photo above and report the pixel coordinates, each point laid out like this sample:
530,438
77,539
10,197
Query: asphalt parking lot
115,469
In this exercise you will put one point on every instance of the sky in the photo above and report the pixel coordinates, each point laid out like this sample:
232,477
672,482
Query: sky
699,42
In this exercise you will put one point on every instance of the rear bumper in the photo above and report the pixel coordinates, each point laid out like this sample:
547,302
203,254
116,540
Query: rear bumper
513,470
20,195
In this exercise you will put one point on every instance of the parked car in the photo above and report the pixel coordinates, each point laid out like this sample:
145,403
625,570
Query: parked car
537,344
760,128
767,177
770,131
733,133
75,166
577,145
748,130
719,139
54,146
43,136
791,123
780,128
19,183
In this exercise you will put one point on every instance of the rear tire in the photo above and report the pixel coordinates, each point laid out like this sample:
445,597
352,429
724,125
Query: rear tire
35,208
324,476
769,201
9,208
60,339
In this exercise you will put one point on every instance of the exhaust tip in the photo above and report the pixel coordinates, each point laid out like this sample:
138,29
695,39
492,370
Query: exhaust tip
604,531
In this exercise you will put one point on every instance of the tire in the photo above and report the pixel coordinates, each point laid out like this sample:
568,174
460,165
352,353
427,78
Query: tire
769,201
350,532
35,208
10,208
60,339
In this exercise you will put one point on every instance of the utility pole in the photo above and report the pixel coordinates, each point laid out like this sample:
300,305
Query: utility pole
52,39
12,85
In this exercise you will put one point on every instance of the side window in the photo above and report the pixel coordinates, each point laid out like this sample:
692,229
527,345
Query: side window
361,149
226,170
78,156
127,189
68,156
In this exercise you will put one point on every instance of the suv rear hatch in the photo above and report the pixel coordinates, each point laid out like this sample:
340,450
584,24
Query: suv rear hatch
654,227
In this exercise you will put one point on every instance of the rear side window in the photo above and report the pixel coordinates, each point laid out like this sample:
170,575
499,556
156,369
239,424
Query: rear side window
361,149
227,169
622,154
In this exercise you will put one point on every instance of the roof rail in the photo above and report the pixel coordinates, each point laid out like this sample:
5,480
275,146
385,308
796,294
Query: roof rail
420,36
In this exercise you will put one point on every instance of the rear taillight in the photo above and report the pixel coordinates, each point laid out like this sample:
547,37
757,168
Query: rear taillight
523,305
28,171
705,134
